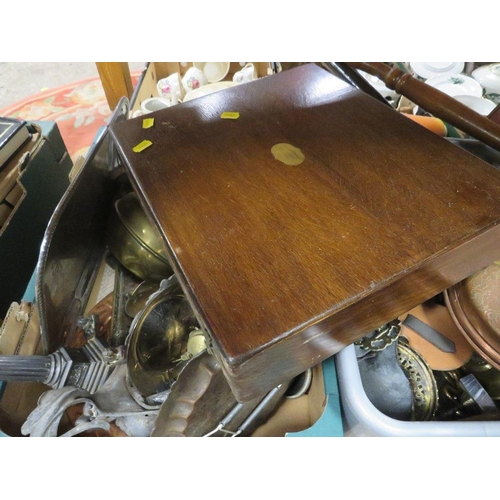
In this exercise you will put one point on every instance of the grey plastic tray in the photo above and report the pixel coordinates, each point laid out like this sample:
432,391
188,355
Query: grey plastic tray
361,418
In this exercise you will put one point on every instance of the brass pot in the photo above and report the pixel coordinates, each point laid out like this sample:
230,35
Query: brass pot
135,242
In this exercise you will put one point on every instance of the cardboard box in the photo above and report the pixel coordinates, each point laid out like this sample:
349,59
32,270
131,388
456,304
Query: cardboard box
146,87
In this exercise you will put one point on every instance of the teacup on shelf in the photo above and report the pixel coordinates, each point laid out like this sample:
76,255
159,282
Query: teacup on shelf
247,74
154,104
171,88
193,79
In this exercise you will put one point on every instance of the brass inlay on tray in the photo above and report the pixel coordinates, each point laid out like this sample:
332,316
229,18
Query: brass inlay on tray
288,154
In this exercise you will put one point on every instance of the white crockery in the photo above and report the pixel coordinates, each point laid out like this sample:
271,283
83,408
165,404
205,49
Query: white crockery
478,104
456,84
488,77
429,69
208,89
193,79
171,88
154,104
213,71
247,74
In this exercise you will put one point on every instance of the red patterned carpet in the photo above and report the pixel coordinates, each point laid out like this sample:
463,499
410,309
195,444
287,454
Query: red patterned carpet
79,109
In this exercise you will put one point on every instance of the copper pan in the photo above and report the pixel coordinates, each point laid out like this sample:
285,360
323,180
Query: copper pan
474,305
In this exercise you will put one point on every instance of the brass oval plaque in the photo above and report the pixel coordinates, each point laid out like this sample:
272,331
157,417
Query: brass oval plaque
288,154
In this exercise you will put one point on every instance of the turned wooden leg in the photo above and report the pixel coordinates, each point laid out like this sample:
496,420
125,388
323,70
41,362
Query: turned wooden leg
116,81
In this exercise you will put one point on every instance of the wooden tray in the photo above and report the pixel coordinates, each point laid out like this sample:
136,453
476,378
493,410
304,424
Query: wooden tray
289,256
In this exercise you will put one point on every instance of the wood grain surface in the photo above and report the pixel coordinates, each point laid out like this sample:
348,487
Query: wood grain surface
286,264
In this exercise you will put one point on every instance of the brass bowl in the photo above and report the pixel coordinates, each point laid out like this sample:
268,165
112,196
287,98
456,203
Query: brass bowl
474,305
158,341
135,242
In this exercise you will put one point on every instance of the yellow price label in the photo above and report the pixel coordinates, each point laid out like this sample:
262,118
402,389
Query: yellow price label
148,122
230,115
142,146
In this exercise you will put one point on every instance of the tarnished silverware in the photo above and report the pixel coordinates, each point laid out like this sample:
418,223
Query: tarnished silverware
124,283
201,403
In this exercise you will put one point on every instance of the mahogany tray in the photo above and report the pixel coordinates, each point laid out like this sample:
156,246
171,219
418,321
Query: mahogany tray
288,253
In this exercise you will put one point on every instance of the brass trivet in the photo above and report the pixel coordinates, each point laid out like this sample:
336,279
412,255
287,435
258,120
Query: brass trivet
422,382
